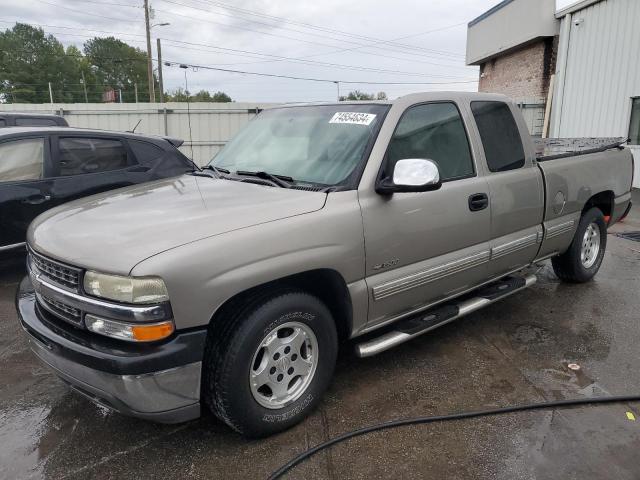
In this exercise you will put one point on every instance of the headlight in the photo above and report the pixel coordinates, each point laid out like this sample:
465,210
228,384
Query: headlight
133,332
125,289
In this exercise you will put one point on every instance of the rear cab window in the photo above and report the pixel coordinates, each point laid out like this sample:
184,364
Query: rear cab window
500,135
21,160
81,155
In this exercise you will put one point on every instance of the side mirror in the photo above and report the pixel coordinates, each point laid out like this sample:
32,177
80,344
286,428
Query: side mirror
411,175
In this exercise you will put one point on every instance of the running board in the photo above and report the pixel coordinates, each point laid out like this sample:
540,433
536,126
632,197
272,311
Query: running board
405,330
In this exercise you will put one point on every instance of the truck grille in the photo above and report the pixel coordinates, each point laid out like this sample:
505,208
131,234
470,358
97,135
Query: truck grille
61,310
63,275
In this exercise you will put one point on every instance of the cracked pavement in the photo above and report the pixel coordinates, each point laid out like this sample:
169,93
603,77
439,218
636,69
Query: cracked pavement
513,352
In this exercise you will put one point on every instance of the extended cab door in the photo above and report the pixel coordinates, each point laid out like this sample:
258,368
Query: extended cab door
25,190
424,247
516,190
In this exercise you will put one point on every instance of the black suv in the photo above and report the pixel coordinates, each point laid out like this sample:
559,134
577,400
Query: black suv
31,120
43,167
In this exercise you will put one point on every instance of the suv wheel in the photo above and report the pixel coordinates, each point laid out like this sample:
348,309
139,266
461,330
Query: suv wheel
582,260
267,364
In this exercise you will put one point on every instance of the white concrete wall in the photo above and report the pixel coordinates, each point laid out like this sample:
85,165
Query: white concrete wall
509,24
212,124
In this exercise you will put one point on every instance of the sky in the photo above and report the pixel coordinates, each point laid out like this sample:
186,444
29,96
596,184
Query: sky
333,40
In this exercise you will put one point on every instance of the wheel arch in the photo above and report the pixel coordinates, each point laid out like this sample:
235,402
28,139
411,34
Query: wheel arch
325,283
603,200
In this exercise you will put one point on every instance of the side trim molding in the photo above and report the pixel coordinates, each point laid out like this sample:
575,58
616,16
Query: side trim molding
560,229
514,246
430,275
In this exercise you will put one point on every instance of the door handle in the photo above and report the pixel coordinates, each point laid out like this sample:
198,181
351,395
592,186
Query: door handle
478,201
36,199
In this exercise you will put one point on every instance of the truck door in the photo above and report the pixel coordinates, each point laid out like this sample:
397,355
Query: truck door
25,190
515,187
424,247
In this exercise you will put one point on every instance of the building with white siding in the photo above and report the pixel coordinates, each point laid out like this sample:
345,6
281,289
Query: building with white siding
596,86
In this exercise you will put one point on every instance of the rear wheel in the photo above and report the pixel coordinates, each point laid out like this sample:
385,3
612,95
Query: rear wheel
268,364
582,260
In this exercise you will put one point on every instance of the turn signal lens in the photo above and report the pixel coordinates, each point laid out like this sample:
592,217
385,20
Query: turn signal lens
149,332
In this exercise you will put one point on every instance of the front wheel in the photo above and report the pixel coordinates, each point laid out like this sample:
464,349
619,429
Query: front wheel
582,260
268,365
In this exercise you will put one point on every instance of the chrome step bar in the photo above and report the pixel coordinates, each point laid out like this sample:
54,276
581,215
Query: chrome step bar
415,326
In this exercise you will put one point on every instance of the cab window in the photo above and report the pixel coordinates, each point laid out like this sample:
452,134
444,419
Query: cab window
499,134
21,159
81,155
433,131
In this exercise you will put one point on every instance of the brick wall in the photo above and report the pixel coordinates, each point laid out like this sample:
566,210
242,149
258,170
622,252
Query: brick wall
521,73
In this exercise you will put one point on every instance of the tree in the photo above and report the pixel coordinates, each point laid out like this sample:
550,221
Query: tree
180,95
358,95
119,66
221,97
29,60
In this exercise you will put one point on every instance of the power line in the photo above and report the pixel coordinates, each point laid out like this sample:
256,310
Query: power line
325,29
309,62
299,39
364,82
360,45
252,54
57,5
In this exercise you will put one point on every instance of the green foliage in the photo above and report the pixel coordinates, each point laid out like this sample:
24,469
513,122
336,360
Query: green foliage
180,95
358,95
29,60
119,66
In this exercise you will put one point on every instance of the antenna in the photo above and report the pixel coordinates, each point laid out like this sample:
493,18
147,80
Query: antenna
133,130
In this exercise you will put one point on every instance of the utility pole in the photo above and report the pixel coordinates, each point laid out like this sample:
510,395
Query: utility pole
50,95
160,84
84,86
135,89
152,96
338,85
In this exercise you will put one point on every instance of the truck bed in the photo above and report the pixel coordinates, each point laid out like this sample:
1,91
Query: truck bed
552,148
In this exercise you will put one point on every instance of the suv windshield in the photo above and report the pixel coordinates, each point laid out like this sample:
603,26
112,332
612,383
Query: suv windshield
321,144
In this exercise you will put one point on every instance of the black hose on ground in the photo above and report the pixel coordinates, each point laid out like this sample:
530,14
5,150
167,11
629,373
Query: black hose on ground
443,418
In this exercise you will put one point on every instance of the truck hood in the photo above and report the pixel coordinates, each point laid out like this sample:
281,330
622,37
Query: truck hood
114,231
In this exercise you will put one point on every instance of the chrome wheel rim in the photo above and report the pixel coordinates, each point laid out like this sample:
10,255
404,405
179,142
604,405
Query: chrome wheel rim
283,365
590,245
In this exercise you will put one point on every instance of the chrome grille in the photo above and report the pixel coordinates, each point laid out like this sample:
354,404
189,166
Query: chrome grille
61,310
64,275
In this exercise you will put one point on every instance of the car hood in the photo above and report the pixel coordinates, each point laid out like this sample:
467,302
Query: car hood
114,231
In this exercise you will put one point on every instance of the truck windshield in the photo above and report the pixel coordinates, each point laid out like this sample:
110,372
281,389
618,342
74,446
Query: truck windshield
321,144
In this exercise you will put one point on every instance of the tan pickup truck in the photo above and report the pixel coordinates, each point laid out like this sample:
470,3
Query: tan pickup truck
368,222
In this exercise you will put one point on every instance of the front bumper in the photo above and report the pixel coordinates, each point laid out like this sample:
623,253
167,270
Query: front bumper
156,382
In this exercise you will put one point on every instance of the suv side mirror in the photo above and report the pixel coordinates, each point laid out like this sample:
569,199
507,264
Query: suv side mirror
411,175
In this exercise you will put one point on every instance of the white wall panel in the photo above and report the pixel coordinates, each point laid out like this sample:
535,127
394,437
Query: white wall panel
212,124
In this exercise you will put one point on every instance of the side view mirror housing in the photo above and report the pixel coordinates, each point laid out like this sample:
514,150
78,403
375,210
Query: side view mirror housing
411,175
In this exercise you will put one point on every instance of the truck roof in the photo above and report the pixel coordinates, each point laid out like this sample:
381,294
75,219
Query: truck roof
411,98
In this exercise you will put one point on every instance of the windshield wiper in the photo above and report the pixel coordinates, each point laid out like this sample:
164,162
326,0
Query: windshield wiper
218,170
280,180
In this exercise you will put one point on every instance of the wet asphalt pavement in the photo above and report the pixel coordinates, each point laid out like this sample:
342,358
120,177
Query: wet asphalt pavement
513,352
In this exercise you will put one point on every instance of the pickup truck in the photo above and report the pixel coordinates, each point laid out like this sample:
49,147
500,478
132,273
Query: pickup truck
353,223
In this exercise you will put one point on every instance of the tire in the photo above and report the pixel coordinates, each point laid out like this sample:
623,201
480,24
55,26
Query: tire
232,359
571,265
